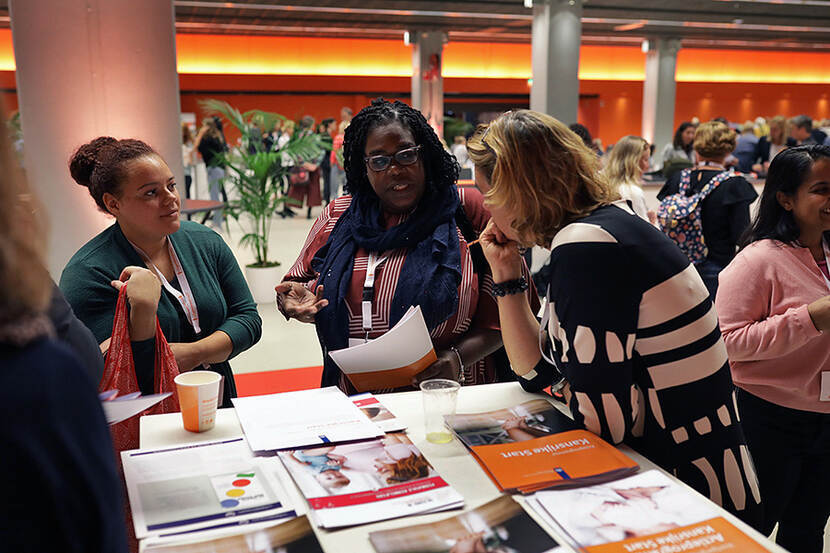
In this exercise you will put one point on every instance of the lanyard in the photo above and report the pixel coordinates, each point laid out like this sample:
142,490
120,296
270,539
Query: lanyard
185,297
826,249
368,291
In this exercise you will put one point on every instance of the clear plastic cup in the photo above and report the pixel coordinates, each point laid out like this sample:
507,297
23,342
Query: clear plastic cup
440,398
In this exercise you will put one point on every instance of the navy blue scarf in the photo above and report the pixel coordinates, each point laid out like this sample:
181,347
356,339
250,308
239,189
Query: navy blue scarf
430,276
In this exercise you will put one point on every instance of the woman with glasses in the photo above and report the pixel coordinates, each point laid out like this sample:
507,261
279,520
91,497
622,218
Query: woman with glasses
628,321
398,239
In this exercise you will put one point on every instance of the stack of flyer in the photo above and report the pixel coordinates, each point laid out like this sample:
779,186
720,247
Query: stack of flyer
534,446
368,481
305,418
645,512
293,536
498,526
182,489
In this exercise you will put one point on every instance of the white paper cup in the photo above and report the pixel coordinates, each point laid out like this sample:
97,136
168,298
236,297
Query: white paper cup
440,396
198,393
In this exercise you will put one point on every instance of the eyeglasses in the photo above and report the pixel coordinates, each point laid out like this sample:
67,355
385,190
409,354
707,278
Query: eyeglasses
403,158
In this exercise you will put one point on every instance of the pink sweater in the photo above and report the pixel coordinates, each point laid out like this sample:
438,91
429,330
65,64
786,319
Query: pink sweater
774,349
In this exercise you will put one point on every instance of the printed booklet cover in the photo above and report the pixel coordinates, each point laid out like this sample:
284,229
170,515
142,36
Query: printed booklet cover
498,526
647,512
533,446
368,481
293,536
196,487
377,412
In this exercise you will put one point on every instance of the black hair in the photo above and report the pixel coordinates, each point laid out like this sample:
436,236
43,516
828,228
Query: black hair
678,137
583,133
101,165
788,170
440,167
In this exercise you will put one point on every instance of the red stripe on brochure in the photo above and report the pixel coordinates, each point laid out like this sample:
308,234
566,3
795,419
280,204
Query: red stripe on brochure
366,401
392,492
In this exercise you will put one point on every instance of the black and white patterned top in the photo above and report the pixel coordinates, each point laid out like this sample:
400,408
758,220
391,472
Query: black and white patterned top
636,336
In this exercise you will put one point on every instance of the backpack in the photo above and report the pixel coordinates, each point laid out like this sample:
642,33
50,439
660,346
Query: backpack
679,215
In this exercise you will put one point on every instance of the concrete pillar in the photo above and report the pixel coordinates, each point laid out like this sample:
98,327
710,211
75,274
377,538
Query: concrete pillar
87,68
427,79
659,91
557,33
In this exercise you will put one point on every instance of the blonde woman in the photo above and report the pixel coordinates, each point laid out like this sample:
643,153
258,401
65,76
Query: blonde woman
642,361
770,146
624,168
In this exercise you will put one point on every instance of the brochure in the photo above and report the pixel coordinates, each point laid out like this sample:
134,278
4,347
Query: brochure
368,481
189,487
391,360
533,446
292,536
647,512
378,413
498,526
121,408
304,418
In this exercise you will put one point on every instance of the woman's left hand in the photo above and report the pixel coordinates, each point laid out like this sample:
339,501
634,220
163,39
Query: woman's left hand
187,356
445,367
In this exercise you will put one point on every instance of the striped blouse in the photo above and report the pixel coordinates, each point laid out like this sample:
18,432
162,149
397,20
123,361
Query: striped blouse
476,304
636,336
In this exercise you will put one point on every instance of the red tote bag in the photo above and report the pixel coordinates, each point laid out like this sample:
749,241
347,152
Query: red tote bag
119,374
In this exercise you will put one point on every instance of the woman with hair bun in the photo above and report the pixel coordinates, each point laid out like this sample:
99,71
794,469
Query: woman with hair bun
205,308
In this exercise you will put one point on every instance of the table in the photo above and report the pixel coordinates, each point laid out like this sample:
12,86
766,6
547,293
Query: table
191,207
452,461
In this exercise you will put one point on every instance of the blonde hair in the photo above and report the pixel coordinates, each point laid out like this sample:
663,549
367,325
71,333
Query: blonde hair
25,284
780,122
623,164
714,140
541,169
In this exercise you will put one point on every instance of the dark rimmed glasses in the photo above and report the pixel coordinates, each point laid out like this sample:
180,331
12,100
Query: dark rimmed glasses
404,157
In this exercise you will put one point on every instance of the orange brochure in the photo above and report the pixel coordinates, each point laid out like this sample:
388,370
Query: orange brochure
533,446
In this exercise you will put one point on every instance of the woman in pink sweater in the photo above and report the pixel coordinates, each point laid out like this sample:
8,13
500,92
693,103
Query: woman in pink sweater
774,312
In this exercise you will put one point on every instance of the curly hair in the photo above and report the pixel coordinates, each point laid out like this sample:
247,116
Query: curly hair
101,165
440,168
542,170
714,140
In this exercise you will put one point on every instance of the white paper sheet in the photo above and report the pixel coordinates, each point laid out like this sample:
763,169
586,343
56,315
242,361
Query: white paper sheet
120,409
304,418
391,360
183,488
378,413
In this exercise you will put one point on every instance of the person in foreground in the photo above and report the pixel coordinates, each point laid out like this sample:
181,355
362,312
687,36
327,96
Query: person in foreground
641,355
206,311
405,220
774,312
57,469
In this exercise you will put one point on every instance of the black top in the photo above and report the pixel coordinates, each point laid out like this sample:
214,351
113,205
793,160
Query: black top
57,470
643,354
209,147
73,333
763,147
724,213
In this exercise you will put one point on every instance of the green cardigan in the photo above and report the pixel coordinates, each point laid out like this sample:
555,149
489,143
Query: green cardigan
222,296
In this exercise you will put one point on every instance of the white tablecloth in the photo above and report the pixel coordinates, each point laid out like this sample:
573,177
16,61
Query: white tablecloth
452,461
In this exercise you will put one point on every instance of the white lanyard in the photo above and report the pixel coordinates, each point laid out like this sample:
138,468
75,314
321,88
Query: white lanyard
826,250
185,297
368,291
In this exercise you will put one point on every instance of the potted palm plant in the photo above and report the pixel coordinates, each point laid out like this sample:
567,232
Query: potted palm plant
256,174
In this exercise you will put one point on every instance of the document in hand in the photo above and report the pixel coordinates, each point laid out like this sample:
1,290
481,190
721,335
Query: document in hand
647,512
292,536
298,419
368,481
391,360
378,413
534,446
189,487
119,409
500,525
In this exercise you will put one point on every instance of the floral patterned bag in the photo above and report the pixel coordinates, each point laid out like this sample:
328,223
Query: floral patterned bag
679,215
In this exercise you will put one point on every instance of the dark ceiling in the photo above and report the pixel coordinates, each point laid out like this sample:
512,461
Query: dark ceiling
764,24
